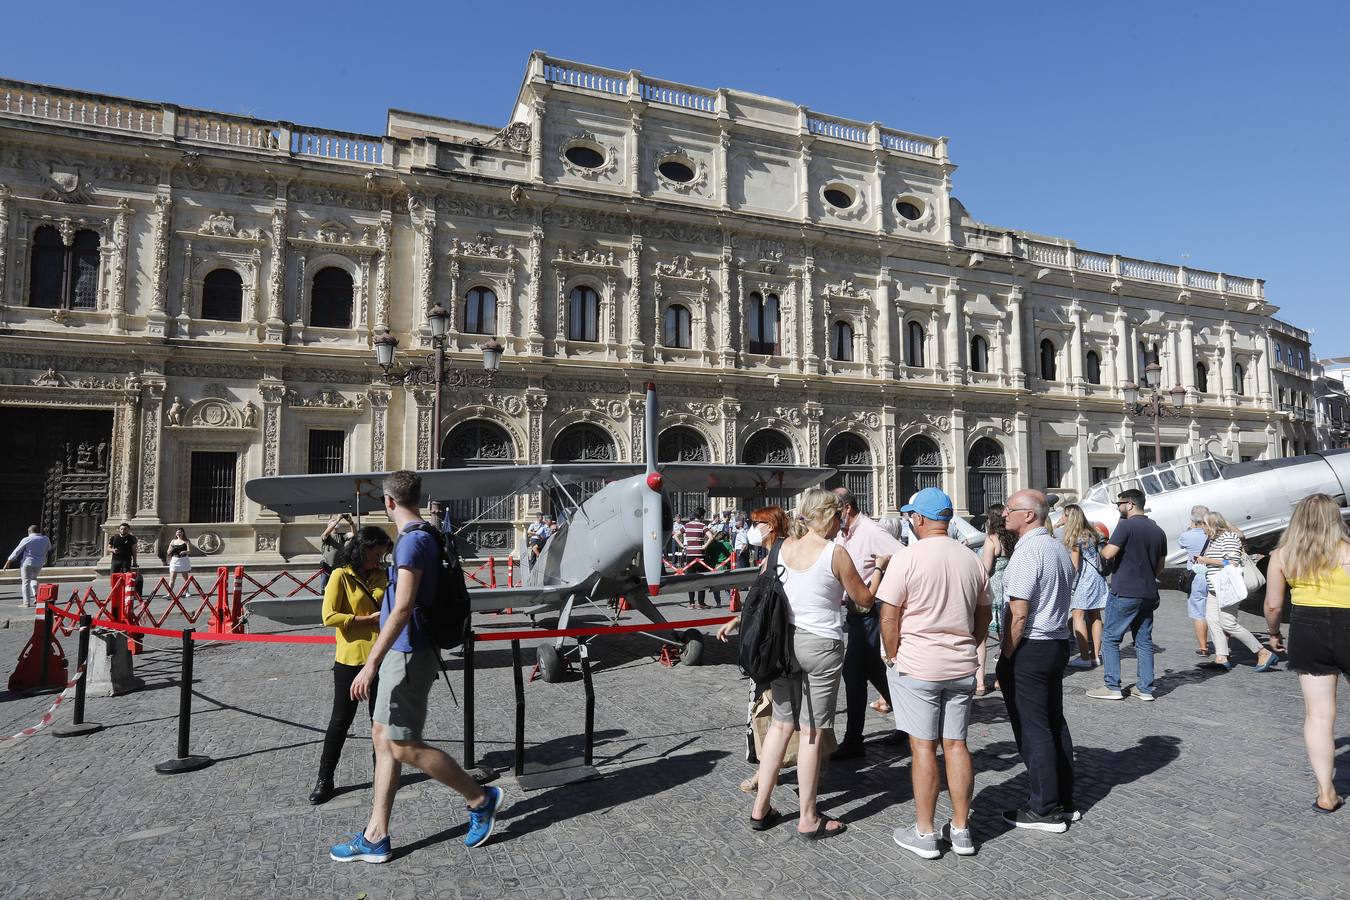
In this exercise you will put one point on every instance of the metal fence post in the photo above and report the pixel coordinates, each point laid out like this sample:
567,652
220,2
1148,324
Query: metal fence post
79,726
520,708
184,761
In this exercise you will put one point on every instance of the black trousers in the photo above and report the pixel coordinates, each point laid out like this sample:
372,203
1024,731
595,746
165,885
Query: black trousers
862,663
344,713
1033,689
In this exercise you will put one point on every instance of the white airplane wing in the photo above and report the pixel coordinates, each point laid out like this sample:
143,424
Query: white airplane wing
307,608
741,480
305,495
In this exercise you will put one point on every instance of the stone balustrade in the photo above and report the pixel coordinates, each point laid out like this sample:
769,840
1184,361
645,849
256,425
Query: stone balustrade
37,101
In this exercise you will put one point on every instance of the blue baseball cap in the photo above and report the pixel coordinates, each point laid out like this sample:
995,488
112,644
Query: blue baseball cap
931,503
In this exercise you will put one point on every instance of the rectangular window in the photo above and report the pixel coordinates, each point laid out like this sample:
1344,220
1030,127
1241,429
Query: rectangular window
1054,471
325,451
1146,455
1100,474
211,492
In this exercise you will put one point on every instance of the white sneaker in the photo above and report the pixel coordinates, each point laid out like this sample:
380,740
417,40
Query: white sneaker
1081,663
962,843
1140,695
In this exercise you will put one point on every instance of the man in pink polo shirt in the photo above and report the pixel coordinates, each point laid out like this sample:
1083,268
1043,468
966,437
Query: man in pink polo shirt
864,540
934,600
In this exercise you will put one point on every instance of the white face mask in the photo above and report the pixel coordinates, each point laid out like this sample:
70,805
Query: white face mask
755,536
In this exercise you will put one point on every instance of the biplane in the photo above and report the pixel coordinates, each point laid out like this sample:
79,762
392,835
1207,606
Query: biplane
609,545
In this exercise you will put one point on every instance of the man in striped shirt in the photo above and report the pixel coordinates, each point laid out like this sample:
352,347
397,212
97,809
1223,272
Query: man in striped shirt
695,537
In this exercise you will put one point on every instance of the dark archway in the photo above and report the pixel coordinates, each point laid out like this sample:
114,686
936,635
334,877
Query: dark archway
483,524
987,469
582,442
920,467
851,458
680,443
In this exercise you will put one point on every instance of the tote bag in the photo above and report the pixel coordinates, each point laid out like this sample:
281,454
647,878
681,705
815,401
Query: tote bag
1251,575
1230,587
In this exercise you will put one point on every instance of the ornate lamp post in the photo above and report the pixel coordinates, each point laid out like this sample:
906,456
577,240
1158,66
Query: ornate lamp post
1155,405
433,373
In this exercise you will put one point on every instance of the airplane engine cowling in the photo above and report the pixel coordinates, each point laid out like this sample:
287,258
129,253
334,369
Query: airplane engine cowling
1339,462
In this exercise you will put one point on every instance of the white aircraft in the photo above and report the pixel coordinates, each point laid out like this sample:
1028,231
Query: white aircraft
608,547
1257,497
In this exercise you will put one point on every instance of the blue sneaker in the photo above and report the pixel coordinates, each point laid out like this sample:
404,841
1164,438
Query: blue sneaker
482,819
358,848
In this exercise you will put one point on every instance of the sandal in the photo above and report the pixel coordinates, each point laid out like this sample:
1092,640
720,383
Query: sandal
750,785
1317,807
770,819
879,705
823,830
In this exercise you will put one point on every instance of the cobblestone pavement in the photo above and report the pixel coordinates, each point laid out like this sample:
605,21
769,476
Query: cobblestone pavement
1204,793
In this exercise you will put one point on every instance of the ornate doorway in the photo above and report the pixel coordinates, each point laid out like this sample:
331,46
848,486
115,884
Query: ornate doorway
988,476
55,476
483,524
920,467
769,448
581,442
850,456
683,444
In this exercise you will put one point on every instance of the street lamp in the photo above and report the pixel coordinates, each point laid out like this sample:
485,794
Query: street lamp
433,373
1155,405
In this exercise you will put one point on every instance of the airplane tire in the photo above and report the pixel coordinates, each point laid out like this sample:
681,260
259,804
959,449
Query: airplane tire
550,663
692,653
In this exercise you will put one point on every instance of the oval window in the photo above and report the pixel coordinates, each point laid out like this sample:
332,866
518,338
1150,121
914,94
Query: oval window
676,170
584,156
908,209
838,196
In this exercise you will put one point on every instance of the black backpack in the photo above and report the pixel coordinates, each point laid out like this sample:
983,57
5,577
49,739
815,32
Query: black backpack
448,614
766,635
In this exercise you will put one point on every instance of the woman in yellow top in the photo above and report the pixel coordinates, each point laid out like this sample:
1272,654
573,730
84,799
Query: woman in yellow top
351,604
1313,559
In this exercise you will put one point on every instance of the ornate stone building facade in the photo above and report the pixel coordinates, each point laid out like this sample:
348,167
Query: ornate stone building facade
188,300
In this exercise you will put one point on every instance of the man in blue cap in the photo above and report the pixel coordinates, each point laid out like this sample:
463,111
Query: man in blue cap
937,594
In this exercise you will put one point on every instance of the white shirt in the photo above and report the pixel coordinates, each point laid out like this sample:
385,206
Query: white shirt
32,551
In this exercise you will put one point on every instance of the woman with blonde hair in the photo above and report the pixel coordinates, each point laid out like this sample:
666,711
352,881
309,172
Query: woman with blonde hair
998,547
1089,587
1313,560
1225,548
816,574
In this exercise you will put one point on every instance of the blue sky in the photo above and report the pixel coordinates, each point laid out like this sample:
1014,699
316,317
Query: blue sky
1214,134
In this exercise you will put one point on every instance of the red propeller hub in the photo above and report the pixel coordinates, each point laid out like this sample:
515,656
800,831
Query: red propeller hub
654,481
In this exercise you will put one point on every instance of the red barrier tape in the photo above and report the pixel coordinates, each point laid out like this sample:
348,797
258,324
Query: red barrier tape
610,629
265,638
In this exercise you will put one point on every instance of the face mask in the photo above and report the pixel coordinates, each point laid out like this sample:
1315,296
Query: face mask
755,537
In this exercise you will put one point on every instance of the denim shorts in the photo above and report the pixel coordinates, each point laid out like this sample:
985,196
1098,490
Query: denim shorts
1319,640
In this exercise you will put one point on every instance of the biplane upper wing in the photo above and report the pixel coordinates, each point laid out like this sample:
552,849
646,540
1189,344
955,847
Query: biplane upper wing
742,480
307,495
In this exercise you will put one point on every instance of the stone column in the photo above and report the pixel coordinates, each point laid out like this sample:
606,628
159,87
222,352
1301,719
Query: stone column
1021,476
1124,349
804,172
636,351
537,142
274,329
536,336
1075,353
1188,356
814,413
934,358
1131,443
150,451
956,368
379,428
1082,466
426,282
723,172
811,318
117,291
1171,369
383,239
727,303
960,486
634,154
4,246
1261,362
885,313
1226,367
1016,363
124,456
157,318
731,411
887,483
272,391
422,455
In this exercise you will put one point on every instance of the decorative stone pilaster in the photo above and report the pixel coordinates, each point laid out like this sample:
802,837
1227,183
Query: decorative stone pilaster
536,401
731,411
157,318
885,315
383,234
726,281
814,413
637,406
811,310
960,483
273,392
4,241
723,168
537,143
1015,370
122,499
117,289
274,329
956,370
1075,354
1188,356
635,346
379,428
426,281
536,337
425,410
147,466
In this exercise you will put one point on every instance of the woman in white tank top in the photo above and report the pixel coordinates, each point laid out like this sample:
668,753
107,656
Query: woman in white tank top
816,575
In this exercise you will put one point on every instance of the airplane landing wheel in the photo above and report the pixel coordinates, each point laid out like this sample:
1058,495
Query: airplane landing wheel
692,652
550,663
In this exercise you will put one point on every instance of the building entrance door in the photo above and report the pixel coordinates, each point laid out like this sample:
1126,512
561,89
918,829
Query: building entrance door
55,476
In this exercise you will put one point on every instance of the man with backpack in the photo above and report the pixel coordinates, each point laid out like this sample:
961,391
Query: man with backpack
407,661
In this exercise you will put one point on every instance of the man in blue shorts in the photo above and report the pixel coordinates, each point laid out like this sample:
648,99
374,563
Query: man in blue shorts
407,662
1194,540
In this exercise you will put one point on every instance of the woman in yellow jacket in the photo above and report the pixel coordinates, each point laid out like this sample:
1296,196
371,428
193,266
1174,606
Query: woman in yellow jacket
351,604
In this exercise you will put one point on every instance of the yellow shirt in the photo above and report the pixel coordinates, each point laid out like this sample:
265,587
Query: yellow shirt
1332,590
346,597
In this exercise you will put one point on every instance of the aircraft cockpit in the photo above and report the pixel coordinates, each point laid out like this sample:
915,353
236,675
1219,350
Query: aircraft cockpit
1160,479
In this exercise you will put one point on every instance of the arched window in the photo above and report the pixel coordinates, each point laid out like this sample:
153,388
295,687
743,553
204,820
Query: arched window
583,314
920,467
1048,360
1279,352
64,277
1092,367
988,476
483,524
851,458
761,324
677,331
1202,378
480,311
914,340
223,296
330,299
841,342
1239,379
979,354
581,442
683,444
768,448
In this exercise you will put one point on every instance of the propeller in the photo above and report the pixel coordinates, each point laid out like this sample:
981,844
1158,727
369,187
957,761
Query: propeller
652,531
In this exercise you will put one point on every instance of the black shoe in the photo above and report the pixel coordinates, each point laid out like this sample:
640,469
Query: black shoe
1025,818
323,791
849,750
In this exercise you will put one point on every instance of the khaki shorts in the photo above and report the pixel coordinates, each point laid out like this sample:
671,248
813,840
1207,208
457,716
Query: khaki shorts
807,697
401,698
